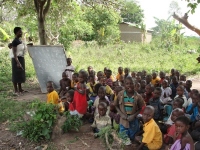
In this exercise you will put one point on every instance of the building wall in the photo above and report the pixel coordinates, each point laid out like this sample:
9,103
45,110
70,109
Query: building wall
133,34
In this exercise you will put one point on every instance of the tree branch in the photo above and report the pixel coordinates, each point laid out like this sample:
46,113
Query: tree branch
47,7
185,22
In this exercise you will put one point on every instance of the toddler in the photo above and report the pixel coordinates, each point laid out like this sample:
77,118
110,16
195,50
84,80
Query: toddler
69,69
65,85
68,100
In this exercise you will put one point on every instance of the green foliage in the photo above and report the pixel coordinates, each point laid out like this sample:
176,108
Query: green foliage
40,126
132,12
193,4
3,35
105,24
72,122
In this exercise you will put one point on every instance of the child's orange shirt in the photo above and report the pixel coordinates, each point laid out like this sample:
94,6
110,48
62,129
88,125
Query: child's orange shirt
119,76
52,97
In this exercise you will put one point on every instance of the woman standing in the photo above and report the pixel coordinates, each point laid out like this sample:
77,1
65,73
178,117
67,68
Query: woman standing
18,62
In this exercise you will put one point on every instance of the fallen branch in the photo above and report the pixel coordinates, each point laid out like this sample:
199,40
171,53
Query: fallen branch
83,142
185,22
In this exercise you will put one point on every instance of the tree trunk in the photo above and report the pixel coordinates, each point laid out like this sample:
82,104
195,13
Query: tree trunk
42,31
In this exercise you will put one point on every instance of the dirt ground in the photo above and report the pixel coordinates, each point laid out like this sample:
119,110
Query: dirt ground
83,139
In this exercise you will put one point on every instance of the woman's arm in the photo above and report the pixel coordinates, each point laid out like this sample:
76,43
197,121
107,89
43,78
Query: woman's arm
14,49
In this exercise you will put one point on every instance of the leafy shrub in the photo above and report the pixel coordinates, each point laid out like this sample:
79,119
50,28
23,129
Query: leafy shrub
72,122
41,125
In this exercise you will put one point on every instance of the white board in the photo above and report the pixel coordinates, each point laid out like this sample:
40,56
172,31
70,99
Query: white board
49,63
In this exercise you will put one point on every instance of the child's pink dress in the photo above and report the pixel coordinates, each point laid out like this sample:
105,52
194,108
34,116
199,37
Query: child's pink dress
80,101
177,145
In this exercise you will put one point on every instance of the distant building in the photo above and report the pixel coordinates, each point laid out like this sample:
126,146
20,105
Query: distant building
131,33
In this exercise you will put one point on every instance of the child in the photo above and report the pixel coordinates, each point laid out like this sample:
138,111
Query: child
109,80
177,73
162,77
109,91
126,71
188,85
186,142
149,93
180,93
142,87
144,73
68,100
173,86
91,84
120,73
65,85
155,79
172,74
99,75
117,90
80,98
152,136
137,87
52,96
69,69
128,105
166,92
148,79
182,78
90,69
133,75
74,80
190,100
101,98
171,136
101,120
155,102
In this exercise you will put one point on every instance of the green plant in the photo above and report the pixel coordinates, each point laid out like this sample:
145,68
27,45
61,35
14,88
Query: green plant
40,126
72,122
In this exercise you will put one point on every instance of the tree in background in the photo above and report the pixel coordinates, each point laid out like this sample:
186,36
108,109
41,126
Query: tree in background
132,12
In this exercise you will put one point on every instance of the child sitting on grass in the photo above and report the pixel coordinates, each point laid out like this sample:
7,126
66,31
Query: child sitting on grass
155,102
68,99
52,96
180,94
128,104
65,85
109,91
148,93
152,136
101,120
173,86
186,141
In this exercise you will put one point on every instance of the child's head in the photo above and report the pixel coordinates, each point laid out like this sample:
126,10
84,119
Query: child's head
180,90
69,61
148,113
10,45
143,84
133,74
102,92
120,70
82,77
194,94
176,113
138,78
165,84
69,95
102,109
144,73
178,103
89,69
162,75
112,107
118,89
182,124
108,73
137,86
172,71
177,73
182,78
75,77
105,69
148,78
121,79
139,73
167,78
188,84
99,75
157,92
91,79
64,76
103,80
154,75
50,86
174,80
129,85
149,89
126,71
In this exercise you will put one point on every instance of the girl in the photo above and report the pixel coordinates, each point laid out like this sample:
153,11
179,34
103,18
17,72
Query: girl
68,99
80,98
186,142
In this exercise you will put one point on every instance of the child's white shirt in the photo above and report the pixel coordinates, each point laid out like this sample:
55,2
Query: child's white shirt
185,104
70,73
168,93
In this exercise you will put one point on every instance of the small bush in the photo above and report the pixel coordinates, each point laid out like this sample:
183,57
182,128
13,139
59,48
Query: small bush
72,122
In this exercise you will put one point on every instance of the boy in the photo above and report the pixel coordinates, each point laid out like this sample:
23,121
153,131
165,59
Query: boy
65,85
155,79
127,71
152,136
109,91
52,96
156,103
180,94
148,93
173,86
101,120
120,73
108,76
69,69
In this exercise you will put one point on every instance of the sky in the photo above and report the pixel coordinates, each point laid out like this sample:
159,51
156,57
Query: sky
160,8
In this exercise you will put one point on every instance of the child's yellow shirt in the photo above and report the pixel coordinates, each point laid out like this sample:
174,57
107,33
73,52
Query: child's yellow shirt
52,97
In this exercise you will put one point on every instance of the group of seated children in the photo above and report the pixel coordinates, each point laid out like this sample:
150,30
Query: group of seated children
153,111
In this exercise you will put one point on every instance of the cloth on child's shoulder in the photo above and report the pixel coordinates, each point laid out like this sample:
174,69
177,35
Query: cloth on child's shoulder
177,145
